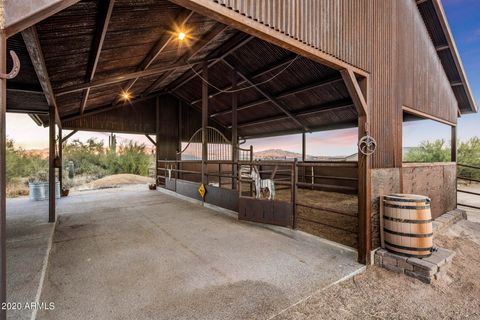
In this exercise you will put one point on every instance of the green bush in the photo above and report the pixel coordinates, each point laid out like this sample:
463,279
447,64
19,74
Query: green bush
439,151
93,159
20,164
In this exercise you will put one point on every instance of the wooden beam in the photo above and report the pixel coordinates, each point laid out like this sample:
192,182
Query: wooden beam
215,61
60,155
190,54
106,108
364,199
442,47
103,22
235,151
204,123
38,16
253,76
32,42
3,175
269,97
453,144
151,140
157,49
124,77
310,111
64,139
355,92
427,116
284,94
51,166
157,138
304,146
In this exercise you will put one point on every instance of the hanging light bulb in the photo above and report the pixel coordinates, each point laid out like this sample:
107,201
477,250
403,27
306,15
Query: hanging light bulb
126,96
182,35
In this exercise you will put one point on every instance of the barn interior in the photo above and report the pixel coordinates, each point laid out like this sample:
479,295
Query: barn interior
155,68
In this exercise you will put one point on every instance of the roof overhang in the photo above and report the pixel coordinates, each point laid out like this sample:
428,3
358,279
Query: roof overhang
437,25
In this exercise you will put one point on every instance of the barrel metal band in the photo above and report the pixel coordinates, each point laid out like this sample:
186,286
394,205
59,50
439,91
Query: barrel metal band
407,220
411,235
388,205
389,198
407,248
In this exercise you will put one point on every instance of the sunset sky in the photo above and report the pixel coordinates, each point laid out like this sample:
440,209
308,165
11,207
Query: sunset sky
465,25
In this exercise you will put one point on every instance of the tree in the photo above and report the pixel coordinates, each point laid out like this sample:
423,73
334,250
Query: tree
437,151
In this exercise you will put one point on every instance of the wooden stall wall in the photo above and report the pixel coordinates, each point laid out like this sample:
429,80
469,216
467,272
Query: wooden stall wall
435,180
386,38
138,117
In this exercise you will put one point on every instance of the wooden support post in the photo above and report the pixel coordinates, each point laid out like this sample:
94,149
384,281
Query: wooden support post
51,166
454,144
204,123
60,155
364,196
359,92
3,177
157,139
304,146
180,133
294,191
235,150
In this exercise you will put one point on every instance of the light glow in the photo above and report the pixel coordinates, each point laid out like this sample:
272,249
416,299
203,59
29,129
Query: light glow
182,36
126,96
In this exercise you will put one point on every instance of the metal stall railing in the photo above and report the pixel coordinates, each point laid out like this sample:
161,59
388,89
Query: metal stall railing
468,172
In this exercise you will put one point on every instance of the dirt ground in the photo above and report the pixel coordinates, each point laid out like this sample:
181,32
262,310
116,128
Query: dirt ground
114,181
381,294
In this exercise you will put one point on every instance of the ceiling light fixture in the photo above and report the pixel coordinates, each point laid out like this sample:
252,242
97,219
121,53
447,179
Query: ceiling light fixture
181,36
126,96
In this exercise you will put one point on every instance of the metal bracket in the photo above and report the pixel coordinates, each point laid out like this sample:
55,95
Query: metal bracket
16,67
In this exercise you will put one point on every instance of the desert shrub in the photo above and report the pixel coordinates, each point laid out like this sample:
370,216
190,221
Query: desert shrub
468,153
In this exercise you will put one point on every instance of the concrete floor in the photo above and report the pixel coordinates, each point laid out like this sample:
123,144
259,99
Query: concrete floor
139,254
28,238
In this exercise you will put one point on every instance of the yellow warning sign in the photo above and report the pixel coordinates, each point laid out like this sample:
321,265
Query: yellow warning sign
202,190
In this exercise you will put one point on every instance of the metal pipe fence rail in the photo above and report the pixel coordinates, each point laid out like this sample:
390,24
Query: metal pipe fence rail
469,179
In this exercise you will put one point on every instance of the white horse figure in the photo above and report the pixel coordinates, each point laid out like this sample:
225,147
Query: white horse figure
262,186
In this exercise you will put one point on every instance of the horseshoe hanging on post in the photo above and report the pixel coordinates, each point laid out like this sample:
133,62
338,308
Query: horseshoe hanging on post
16,67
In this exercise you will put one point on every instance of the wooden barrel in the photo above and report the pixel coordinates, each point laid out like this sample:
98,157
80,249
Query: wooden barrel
407,225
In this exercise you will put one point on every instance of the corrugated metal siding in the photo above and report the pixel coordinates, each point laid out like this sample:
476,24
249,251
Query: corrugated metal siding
387,38
298,19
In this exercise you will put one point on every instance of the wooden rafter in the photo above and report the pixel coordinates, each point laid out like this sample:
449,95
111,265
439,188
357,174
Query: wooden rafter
124,77
32,42
217,30
283,95
254,76
68,136
269,97
214,62
104,20
157,49
151,140
308,111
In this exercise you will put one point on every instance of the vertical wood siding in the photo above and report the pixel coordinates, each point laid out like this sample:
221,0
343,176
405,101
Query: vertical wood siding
384,37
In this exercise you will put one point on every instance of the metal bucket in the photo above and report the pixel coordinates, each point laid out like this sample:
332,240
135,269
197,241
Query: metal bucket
38,191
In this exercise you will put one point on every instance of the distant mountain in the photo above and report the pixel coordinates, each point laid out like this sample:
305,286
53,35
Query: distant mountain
276,154
279,154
